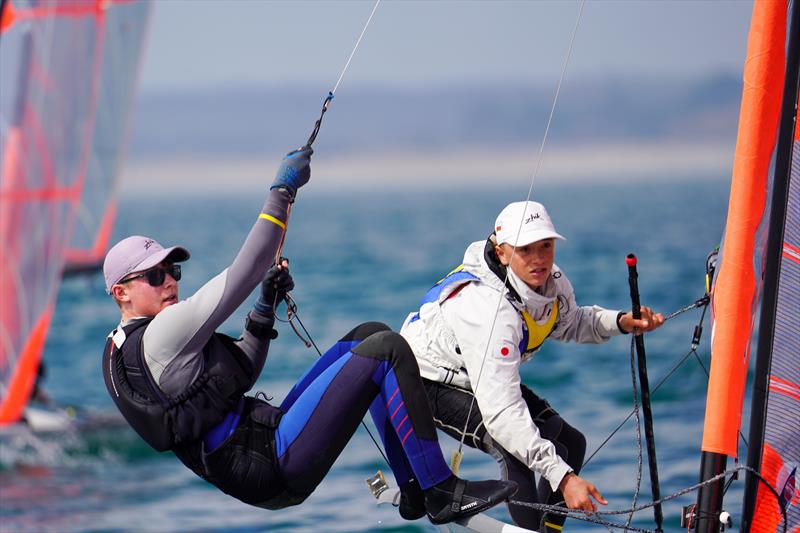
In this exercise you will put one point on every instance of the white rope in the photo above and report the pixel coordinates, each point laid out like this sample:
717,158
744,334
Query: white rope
358,42
530,191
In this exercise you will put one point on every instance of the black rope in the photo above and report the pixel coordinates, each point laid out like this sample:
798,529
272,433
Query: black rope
318,123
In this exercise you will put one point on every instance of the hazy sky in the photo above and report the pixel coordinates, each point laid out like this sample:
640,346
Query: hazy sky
202,43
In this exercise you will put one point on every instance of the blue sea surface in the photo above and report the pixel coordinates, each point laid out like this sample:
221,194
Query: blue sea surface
370,255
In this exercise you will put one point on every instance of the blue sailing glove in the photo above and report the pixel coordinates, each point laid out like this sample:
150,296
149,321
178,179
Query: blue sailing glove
276,284
294,172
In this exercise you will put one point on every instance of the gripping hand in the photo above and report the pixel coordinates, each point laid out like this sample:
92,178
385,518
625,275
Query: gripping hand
276,284
294,172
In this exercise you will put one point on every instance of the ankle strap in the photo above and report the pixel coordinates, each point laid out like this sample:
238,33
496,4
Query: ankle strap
458,494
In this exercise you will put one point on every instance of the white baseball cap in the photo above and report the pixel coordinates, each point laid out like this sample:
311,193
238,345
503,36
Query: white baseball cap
534,220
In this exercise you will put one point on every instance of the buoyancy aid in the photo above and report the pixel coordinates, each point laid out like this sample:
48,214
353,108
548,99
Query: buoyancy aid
533,333
170,422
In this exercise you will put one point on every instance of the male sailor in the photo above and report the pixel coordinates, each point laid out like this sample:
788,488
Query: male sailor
464,351
181,385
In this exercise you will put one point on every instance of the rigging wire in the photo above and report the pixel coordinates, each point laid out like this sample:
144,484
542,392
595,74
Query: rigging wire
358,42
692,351
318,124
457,455
329,98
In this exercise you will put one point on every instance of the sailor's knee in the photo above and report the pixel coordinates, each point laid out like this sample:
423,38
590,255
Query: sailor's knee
570,443
576,442
388,345
365,330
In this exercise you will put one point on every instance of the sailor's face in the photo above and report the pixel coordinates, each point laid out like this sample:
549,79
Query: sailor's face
147,299
532,263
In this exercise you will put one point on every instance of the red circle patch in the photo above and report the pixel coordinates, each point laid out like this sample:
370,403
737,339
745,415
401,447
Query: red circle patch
504,351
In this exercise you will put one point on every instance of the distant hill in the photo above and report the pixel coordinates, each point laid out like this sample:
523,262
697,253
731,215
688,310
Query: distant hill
265,121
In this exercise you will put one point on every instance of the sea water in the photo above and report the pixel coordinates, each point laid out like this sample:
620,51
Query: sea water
370,255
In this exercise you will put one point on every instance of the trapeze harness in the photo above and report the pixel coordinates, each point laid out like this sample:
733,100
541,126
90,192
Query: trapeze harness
192,422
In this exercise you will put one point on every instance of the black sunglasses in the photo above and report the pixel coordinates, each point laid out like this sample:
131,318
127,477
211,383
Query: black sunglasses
156,276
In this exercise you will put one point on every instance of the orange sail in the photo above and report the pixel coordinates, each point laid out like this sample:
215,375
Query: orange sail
735,295
759,276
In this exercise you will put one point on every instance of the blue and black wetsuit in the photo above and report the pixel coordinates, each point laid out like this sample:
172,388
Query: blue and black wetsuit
181,385
369,368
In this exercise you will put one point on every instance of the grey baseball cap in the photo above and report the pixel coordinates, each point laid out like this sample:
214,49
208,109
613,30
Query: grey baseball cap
135,254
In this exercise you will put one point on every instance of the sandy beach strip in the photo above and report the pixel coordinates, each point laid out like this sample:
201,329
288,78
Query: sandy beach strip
603,163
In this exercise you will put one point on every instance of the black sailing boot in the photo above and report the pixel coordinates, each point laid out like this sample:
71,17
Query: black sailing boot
412,500
457,498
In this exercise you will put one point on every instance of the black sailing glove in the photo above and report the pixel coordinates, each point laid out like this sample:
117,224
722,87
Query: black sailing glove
276,284
294,172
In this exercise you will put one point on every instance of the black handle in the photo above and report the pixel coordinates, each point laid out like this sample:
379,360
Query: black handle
318,123
644,383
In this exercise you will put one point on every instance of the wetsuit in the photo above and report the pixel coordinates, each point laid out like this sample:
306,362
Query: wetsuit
264,455
450,334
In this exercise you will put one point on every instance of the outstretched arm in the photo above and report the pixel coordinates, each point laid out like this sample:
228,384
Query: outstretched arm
175,338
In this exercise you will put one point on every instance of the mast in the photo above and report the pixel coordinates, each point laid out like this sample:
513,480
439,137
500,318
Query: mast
735,295
775,239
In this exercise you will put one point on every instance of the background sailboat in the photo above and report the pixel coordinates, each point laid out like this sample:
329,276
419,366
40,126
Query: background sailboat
67,77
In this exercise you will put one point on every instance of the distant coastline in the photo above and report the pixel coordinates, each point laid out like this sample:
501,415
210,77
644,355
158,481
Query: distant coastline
616,162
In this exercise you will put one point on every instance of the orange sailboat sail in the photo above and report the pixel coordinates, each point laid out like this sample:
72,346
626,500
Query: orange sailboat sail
760,266
67,72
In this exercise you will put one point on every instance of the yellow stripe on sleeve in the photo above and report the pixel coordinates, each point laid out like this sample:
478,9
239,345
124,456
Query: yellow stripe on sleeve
553,526
273,220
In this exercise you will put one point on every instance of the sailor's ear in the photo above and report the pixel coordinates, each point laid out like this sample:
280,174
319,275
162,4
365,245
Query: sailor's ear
503,252
120,293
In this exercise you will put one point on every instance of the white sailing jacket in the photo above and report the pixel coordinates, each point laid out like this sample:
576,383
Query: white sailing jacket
451,333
